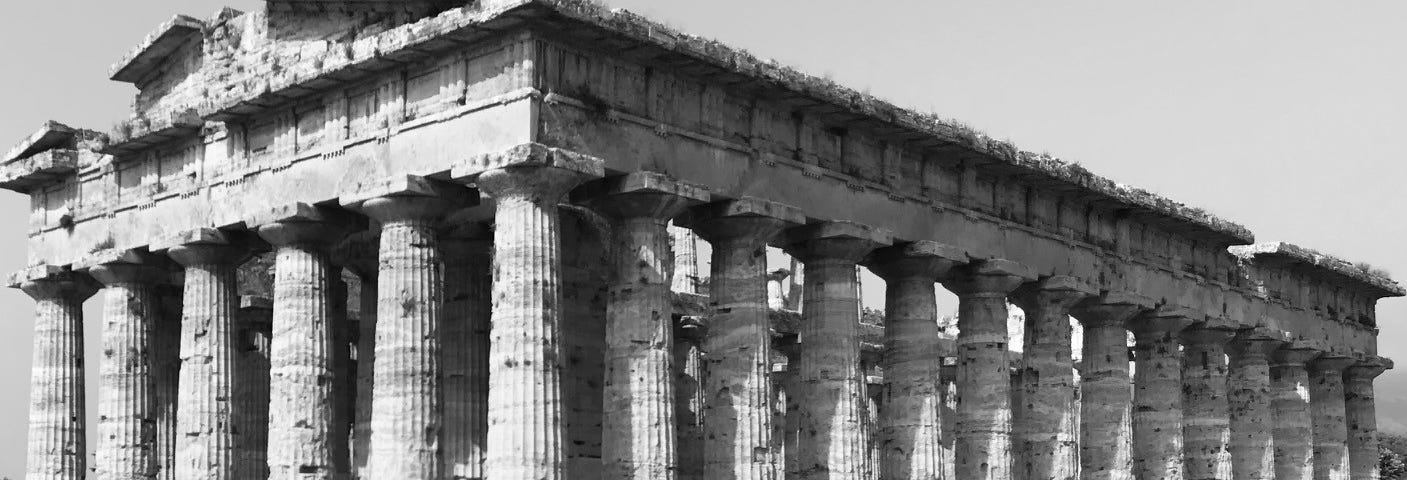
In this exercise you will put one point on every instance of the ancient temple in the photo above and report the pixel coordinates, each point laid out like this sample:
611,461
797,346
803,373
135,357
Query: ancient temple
467,209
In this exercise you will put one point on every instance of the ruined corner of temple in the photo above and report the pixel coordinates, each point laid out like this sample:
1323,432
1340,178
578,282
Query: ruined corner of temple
443,239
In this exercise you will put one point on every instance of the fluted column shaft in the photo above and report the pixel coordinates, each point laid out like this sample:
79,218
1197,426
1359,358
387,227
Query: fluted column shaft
366,375
525,408
1294,427
1157,397
909,433
205,413
832,400
982,448
166,352
252,390
1326,393
1361,413
738,348
57,444
301,366
468,304
685,245
1206,421
1106,391
638,425
406,415
1045,442
689,398
127,410
1252,418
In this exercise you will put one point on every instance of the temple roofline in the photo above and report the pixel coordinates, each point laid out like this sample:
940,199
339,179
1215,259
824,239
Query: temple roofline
1334,268
162,42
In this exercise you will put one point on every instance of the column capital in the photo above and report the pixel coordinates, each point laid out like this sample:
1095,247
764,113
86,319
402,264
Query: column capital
990,277
409,198
1331,362
747,218
1293,354
67,285
1163,320
202,246
1368,368
846,241
1110,308
112,267
922,258
641,195
302,223
531,157
1059,290
1257,343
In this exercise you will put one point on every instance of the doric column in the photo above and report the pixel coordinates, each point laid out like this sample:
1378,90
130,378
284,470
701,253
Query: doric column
468,250
1249,400
638,424
344,374
359,254
127,409
776,299
1157,393
206,414
255,319
982,448
909,434
525,405
685,245
832,401
1326,394
1361,414
1294,428
688,397
302,369
1046,442
57,443
737,389
948,416
1206,416
407,396
166,355
1106,391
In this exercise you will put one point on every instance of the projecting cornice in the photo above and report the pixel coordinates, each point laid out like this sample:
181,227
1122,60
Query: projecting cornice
159,44
1327,268
46,156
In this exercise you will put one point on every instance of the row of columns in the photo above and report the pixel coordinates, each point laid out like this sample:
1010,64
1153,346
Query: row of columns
459,370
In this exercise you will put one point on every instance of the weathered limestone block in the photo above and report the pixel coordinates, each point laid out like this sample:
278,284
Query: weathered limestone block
166,355
1326,394
638,424
832,402
1046,442
1157,395
1206,421
685,245
256,317
127,411
909,430
406,415
206,415
1249,400
359,254
689,397
737,390
468,251
1294,428
982,449
1361,413
582,337
790,429
57,446
1106,391
303,434
525,405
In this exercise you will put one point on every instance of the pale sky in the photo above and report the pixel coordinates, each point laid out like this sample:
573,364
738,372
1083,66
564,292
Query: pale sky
1284,116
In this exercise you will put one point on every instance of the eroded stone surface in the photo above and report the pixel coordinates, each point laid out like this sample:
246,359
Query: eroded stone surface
1293,432
1250,398
127,412
57,446
1045,442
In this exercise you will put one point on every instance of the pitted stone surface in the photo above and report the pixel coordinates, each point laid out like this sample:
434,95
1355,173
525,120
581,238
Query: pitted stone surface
1206,421
1157,397
909,431
1250,399
468,303
1106,390
685,244
166,354
1045,438
1326,394
1294,428
256,318
982,449
57,446
1360,412
689,397
128,410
